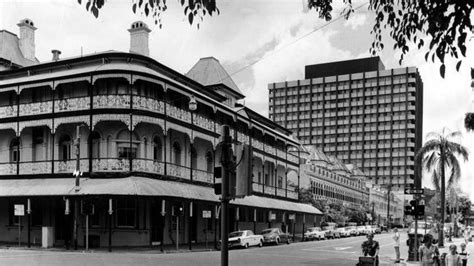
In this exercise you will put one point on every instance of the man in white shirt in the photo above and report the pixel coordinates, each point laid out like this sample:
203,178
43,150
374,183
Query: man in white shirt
396,238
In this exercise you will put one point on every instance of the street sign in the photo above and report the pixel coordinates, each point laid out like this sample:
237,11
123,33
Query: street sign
414,191
206,214
19,210
291,217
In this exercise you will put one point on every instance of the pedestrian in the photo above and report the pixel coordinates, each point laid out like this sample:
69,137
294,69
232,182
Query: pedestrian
463,254
453,258
370,247
467,234
396,238
428,253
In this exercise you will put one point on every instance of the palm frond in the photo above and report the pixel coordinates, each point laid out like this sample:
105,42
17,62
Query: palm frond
433,135
455,173
454,134
431,160
458,149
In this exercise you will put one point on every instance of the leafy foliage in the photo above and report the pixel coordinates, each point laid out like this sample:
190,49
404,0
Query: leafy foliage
441,27
469,121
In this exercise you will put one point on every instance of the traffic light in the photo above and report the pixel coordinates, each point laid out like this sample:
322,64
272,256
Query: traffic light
420,210
218,180
411,209
177,210
87,208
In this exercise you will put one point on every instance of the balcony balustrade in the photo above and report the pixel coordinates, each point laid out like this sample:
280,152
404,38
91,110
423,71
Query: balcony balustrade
257,187
69,166
72,104
36,108
34,168
203,122
281,192
148,166
110,165
148,104
203,176
178,171
269,149
257,144
8,111
112,101
8,168
178,113
291,194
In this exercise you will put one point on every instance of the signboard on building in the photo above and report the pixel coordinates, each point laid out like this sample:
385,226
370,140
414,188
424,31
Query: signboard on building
206,214
291,217
19,210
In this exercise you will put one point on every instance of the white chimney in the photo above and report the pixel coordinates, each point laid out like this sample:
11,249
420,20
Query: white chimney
139,32
27,38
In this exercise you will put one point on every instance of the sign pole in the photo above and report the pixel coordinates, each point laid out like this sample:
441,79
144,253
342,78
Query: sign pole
87,232
177,232
19,230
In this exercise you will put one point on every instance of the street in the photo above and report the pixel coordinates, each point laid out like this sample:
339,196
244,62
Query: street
343,251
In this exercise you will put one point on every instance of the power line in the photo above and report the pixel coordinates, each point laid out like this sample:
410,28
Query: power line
294,41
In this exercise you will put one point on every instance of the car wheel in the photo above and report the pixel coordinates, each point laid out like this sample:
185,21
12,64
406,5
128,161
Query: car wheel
287,241
246,245
277,241
260,244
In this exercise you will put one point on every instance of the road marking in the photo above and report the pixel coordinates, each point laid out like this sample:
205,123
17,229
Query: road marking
329,250
342,248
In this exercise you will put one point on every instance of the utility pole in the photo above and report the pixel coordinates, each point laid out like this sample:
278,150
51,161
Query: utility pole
226,161
388,204
77,187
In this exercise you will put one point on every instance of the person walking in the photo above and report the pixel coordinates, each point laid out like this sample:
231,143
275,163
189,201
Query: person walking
370,247
467,234
452,259
428,253
463,254
396,238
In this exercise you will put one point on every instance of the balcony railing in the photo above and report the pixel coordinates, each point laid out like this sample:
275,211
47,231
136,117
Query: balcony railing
69,166
178,113
257,187
36,108
33,168
8,168
281,192
112,101
178,171
8,111
72,104
291,194
110,165
148,166
203,122
203,176
148,104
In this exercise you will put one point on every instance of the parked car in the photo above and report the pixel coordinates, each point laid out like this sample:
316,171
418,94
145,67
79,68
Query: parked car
275,236
361,230
313,233
343,232
376,229
245,239
328,232
369,229
352,230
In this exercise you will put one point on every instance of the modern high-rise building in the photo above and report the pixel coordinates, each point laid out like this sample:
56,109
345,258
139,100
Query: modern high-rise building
359,112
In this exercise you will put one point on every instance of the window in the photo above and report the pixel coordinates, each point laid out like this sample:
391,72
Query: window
176,153
157,149
126,213
210,162
15,150
64,148
125,148
95,139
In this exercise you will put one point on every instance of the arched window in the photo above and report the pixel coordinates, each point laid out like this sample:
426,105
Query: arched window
64,148
95,145
176,153
193,158
15,150
157,149
125,149
209,162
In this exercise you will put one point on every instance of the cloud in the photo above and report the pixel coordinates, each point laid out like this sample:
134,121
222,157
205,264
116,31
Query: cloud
356,20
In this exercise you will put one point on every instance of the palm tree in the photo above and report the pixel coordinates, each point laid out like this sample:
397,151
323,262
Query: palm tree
436,155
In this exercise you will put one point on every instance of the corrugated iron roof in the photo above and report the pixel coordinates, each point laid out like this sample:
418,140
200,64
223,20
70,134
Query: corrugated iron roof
208,71
137,186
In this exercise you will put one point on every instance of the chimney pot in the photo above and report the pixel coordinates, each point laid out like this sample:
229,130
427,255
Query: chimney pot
27,38
139,32
56,54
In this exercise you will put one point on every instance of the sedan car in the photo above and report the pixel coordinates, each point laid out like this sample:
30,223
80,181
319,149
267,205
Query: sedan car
361,230
275,236
329,232
313,233
343,232
245,239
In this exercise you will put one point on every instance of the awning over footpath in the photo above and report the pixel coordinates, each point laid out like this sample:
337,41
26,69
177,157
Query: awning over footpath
136,186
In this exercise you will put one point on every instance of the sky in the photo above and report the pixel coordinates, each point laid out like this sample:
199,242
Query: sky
257,41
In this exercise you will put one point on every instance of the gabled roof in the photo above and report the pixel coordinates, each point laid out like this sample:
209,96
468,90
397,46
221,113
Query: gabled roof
10,50
208,71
